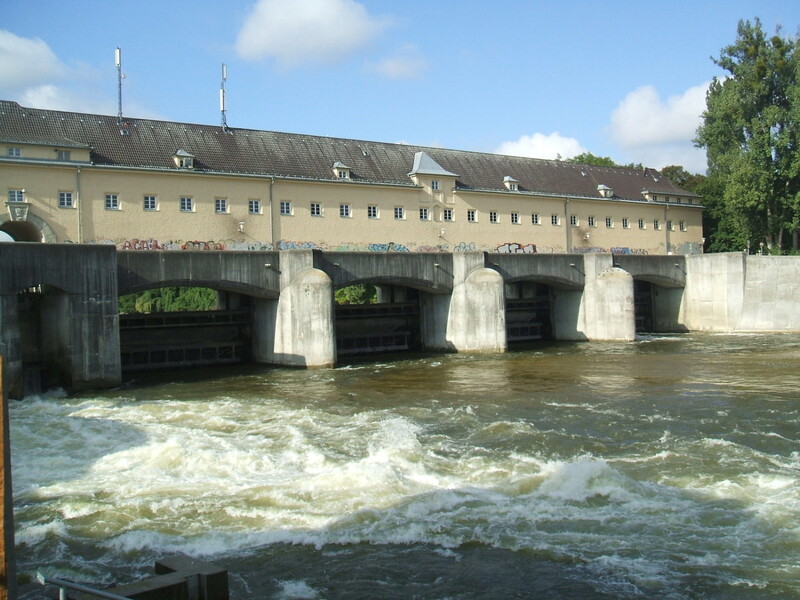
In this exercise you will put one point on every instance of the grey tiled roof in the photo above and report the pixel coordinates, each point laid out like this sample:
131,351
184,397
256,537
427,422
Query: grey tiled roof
152,144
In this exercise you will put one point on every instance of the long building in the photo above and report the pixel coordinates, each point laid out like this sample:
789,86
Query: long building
146,184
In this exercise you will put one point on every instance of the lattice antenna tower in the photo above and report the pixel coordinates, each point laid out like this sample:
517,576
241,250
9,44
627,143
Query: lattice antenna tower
222,108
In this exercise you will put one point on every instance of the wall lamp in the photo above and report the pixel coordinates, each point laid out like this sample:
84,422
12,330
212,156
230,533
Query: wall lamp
241,226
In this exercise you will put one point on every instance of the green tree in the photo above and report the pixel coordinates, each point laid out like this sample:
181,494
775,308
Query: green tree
356,294
751,131
168,299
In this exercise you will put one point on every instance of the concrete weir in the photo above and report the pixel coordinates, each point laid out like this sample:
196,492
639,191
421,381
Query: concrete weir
59,321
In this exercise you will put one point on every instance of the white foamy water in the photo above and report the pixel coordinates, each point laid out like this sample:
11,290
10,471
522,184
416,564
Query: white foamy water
668,485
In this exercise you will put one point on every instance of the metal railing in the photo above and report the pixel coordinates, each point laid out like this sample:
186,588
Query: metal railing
64,585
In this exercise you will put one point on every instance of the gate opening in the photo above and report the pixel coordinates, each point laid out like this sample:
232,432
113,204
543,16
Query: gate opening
528,312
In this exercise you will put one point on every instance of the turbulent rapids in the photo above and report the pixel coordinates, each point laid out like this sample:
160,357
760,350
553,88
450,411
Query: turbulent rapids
666,468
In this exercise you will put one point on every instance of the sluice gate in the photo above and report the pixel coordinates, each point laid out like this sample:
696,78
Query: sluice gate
372,328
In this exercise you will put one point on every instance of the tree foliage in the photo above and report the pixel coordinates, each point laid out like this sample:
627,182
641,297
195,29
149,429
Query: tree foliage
587,158
169,299
751,131
356,294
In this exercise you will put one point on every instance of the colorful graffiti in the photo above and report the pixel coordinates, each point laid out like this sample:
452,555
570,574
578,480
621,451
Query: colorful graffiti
514,248
464,247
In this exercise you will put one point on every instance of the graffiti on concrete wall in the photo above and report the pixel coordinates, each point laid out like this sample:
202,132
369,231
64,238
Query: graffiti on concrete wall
514,248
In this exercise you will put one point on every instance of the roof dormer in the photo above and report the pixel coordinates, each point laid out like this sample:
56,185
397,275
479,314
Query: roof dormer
183,160
341,170
605,191
511,183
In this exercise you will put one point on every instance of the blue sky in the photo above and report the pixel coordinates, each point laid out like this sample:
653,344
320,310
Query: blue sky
617,78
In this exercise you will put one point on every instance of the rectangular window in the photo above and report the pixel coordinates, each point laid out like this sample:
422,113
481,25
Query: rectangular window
65,200
372,211
254,207
492,216
399,213
316,209
515,218
656,224
448,214
112,202
423,214
682,225
344,211
655,198
472,216
642,224
555,220
573,220
591,222
535,220
435,185
16,196
220,205
626,224
149,203
609,222
286,207
187,204
63,155
670,227
15,152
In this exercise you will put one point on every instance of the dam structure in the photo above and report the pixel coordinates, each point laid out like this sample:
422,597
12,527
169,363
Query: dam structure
60,324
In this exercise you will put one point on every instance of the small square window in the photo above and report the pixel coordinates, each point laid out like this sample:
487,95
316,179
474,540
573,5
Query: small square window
555,220
65,200
220,205
286,207
149,203
535,219
372,212
514,218
399,213
14,152
63,155
448,214
16,195
492,216
187,204
316,209
472,216
112,202
423,214
254,207
344,211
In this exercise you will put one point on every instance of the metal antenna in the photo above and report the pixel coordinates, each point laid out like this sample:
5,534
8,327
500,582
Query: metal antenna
118,62
222,97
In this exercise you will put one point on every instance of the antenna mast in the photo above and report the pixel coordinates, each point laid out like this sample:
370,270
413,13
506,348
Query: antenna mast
222,97
118,63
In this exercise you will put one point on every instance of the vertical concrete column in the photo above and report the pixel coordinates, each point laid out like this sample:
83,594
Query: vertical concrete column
476,320
8,575
10,348
86,329
607,311
300,323
714,295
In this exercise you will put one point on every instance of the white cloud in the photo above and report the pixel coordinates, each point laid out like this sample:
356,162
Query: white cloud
660,132
295,32
26,63
405,64
540,145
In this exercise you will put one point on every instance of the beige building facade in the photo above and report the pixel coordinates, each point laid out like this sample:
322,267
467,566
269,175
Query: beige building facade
141,184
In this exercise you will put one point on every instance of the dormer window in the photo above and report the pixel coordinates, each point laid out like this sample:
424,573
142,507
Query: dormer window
341,170
511,183
605,191
183,160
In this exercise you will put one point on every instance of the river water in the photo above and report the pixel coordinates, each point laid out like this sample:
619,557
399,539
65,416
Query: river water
664,468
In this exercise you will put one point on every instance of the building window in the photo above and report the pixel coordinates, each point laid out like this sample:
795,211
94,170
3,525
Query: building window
372,211
492,216
344,211
515,218
65,200
609,222
14,152
591,222
573,220
316,209
535,220
472,216
187,204
448,214
344,174
63,155
112,202
220,205
666,198
626,223
670,227
435,185
642,224
656,224
149,203
655,198
254,207
555,220
16,195
682,225
286,207
399,213
423,214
